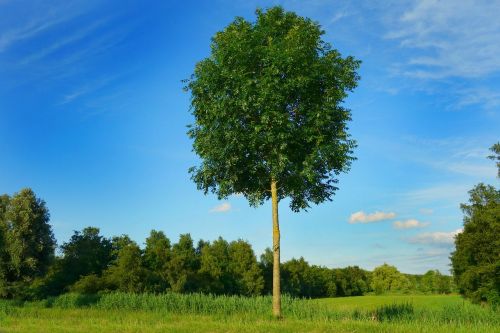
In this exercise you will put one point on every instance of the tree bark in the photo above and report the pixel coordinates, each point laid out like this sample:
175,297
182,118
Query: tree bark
276,253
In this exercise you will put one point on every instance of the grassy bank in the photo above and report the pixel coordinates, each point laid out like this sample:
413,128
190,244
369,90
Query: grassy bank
187,313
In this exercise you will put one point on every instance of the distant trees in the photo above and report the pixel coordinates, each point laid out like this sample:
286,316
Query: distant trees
354,281
86,254
183,265
387,278
303,280
435,282
157,254
127,272
230,268
90,263
476,259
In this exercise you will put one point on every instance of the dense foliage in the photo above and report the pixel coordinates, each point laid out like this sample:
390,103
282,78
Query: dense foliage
89,263
267,104
26,242
476,260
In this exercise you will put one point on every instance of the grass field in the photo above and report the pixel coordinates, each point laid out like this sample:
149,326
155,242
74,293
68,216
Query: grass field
201,313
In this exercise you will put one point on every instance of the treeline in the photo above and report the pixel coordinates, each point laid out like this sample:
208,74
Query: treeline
92,263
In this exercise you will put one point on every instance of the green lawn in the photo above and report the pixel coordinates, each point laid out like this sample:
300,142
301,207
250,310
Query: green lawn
352,314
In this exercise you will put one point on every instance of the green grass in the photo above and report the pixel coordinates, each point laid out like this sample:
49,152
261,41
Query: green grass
203,313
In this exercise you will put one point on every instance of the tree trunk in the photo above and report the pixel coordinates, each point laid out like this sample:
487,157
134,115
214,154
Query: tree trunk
276,253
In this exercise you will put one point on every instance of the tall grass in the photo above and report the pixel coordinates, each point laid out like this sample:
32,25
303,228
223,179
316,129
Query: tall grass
390,312
458,313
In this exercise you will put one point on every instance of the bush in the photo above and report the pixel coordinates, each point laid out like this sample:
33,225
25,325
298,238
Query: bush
90,284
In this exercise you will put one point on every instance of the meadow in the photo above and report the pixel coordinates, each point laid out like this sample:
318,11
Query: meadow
121,312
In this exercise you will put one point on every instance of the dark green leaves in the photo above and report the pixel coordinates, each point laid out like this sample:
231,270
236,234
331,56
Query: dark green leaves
267,103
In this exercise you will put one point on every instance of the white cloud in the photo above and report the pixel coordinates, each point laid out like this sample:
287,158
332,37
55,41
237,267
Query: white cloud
438,237
362,217
458,38
222,208
409,224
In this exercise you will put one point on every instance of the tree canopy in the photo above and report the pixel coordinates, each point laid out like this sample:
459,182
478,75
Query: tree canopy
475,261
27,243
267,104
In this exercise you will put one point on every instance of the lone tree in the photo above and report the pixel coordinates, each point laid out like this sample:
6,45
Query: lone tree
269,120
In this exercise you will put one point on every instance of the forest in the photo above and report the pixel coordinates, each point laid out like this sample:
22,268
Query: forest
33,267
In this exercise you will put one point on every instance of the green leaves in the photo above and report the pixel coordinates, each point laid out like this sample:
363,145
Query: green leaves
475,261
29,238
26,241
267,104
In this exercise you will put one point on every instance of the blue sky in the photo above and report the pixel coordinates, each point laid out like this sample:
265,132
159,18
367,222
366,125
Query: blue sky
93,118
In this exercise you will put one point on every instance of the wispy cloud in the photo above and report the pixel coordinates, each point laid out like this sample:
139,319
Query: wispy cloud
61,43
471,169
46,19
409,224
466,156
439,237
87,88
339,16
362,217
485,97
458,38
222,208
438,193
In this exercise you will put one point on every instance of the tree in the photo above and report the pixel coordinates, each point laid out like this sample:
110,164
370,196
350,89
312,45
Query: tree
269,121
86,253
183,265
244,268
428,281
475,262
387,278
356,281
442,283
29,239
4,259
156,257
215,273
127,273
496,156
266,266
